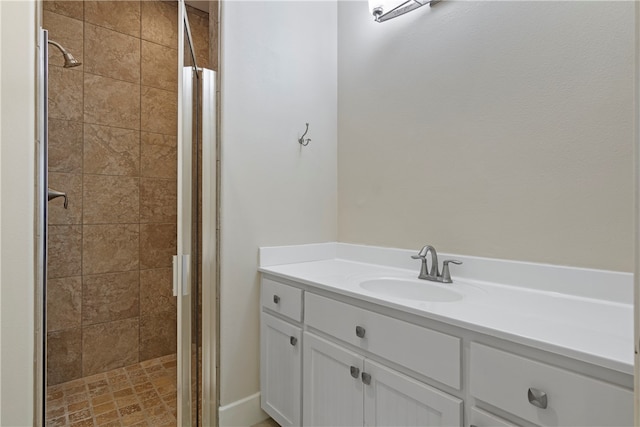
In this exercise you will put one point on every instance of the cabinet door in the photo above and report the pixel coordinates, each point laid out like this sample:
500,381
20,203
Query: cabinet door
280,374
332,394
393,399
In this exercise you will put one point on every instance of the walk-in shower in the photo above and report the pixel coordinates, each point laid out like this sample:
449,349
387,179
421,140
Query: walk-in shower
126,137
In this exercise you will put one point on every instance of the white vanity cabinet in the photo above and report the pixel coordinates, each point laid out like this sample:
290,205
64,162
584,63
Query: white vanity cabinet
281,352
332,360
343,388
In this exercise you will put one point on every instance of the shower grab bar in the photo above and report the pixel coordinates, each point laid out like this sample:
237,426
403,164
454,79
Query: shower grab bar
53,194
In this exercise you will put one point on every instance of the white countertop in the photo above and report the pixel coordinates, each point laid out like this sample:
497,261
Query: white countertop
593,330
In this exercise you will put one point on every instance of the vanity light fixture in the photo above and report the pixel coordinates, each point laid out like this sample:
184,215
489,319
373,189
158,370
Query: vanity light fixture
383,10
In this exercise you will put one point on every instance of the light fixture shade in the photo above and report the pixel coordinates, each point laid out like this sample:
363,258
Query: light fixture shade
383,10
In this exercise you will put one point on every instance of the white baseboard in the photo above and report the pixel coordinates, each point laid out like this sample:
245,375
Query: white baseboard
243,412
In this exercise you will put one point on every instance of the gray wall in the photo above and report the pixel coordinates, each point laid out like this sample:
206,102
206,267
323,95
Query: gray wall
498,129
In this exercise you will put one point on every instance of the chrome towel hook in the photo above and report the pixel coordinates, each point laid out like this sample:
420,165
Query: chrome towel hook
301,140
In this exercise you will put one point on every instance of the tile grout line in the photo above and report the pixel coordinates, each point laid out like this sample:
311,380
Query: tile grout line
140,188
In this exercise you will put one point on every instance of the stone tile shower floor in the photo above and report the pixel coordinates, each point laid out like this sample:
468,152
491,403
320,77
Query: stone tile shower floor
143,394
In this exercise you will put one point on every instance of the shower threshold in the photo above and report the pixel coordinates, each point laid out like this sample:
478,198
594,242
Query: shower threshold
143,394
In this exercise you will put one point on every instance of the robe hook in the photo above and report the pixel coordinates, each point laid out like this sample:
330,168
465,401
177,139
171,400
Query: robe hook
301,140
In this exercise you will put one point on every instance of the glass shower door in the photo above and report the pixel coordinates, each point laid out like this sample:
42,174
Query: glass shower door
195,263
184,273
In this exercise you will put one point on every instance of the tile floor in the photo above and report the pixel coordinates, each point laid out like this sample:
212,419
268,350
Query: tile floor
143,394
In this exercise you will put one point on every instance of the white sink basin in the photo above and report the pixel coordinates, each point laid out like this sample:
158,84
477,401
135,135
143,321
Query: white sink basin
415,290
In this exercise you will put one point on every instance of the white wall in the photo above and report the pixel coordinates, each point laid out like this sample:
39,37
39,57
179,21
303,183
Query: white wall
278,71
499,129
17,142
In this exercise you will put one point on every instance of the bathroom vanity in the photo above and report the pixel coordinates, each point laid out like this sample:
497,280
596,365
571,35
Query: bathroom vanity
350,337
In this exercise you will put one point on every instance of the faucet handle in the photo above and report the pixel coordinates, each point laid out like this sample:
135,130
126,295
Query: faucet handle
446,275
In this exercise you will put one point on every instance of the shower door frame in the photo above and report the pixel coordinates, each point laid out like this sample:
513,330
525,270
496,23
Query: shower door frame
196,104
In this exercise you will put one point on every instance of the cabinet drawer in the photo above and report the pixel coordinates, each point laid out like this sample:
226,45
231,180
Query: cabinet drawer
510,382
479,418
430,353
283,299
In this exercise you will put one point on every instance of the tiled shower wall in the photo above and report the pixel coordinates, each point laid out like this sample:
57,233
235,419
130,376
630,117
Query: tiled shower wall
112,148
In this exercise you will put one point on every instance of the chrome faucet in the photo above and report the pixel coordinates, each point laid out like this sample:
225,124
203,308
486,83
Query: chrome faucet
434,274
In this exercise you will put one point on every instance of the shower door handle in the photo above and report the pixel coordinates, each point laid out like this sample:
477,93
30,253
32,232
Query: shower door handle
53,194
176,275
181,279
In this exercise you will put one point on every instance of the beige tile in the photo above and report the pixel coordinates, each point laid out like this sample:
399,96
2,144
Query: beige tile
159,66
104,408
160,22
64,303
213,39
67,32
131,414
158,155
112,54
159,111
64,255
157,334
199,23
65,146
70,8
110,248
85,422
156,291
164,420
111,102
107,417
72,185
65,94
109,297
121,16
57,422
110,345
79,416
55,412
101,396
111,199
157,245
64,354
111,150
79,406
158,201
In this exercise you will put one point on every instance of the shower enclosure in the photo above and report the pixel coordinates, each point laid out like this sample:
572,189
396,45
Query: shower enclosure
127,281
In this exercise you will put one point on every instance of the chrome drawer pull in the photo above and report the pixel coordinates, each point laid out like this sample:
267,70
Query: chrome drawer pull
276,299
537,398
360,331
293,340
366,378
355,372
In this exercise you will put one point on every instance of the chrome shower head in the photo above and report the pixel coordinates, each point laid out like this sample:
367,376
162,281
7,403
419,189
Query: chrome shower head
69,60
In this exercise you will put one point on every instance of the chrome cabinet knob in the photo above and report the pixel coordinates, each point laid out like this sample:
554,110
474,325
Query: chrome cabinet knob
293,340
355,372
276,299
366,378
537,398
360,331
